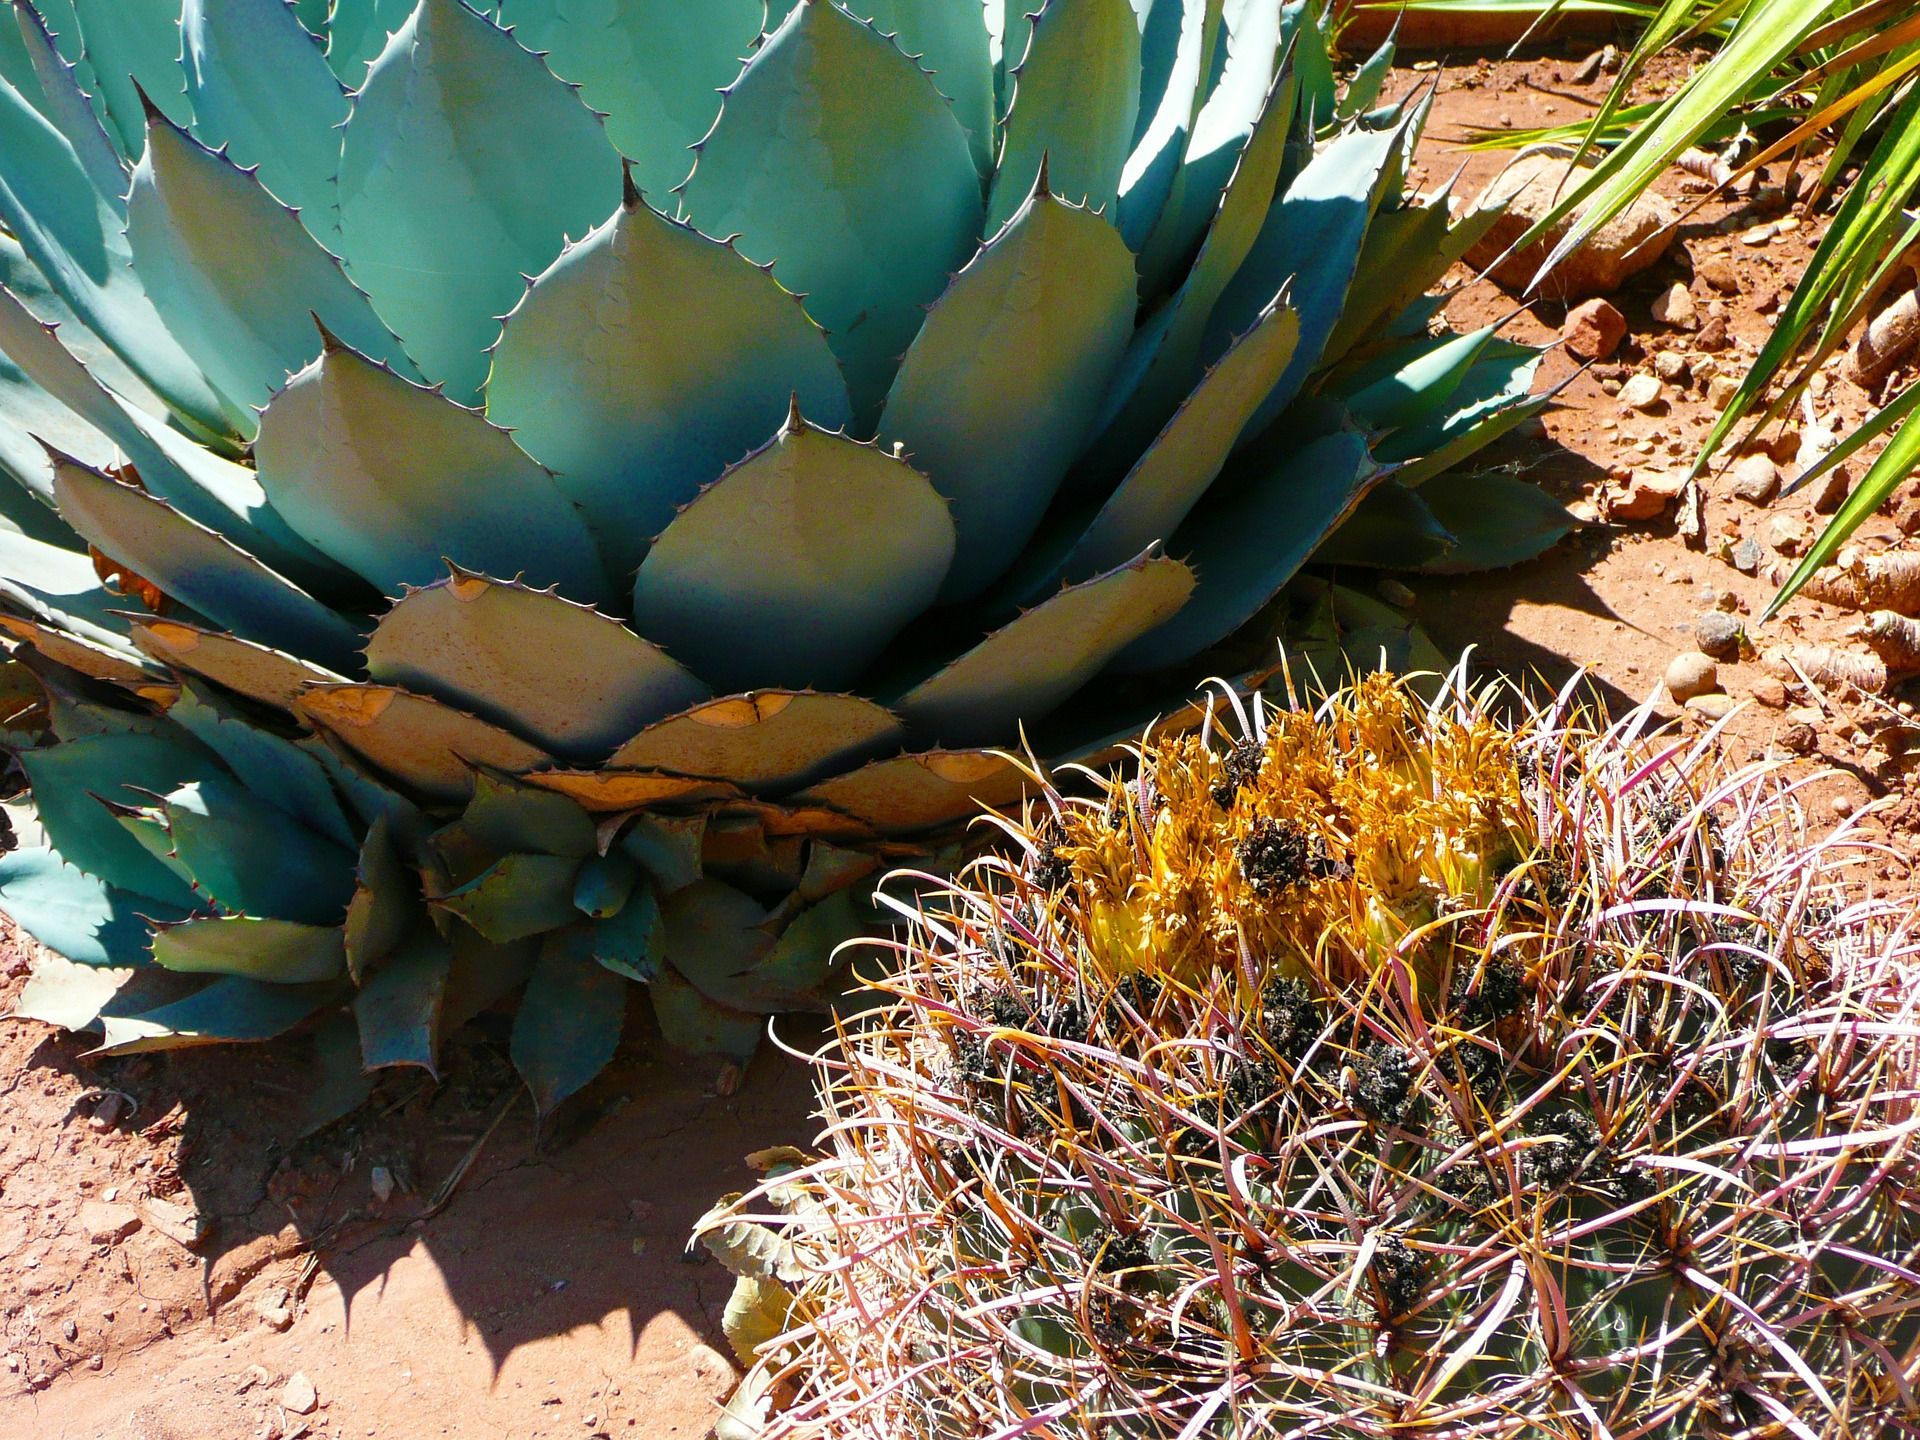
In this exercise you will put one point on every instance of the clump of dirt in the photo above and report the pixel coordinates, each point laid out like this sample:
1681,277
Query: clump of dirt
190,1259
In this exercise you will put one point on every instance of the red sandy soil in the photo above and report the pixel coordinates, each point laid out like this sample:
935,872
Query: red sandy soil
550,1296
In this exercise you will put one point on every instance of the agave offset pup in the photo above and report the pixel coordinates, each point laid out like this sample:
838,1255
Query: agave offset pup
866,399
1387,1072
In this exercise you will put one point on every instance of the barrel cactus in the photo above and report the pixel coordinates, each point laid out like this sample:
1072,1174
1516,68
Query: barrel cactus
519,496
1380,1071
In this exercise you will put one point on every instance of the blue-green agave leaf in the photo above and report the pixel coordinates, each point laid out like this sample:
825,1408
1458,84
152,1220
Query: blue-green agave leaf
134,49
1311,21
1392,528
398,1008
1034,664
713,933
58,591
192,563
357,31
76,914
236,277
426,745
1402,243
517,896
765,741
630,941
1309,243
1045,308
654,68
570,1019
482,973
261,93
798,969
72,779
218,493
645,361
1418,380
1164,361
231,1009
691,1022
1074,97
951,44
867,233
1177,41
267,764
464,165
1182,462
253,858
76,236
393,480
1497,521
1253,537
279,951
63,100
385,904
504,815
604,885
798,565
272,677
72,996
1492,389
565,676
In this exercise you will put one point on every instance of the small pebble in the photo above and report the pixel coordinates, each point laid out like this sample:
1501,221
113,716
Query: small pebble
1842,806
298,1396
70,1330
380,1182
1747,556
1770,692
1643,392
1756,479
1691,673
1718,634
1713,707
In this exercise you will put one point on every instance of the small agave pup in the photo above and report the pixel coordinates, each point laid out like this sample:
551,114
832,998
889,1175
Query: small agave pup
1388,1073
878,405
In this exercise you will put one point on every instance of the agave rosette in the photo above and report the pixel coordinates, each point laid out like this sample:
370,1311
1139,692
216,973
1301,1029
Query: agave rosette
894,384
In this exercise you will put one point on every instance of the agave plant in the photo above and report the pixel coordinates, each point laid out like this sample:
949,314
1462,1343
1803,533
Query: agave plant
852,404
1378,1071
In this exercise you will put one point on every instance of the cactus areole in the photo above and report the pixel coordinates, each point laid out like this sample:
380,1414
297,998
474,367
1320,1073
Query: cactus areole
516,498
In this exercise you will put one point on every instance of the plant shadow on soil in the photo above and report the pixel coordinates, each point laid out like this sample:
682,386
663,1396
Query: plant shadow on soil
544,1231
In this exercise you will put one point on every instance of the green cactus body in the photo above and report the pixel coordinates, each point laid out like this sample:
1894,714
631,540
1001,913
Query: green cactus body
696,464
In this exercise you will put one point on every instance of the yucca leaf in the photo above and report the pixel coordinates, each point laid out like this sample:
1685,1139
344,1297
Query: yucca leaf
230,1009
647,360
422,743
654,68
1045,308
198,567
568,678
76,914
398,1008
261,92
569,1021
279,951
432,229
393,480
769,740
72,779
1893,465
1035,663
1271,512
754,583
867,234
236,277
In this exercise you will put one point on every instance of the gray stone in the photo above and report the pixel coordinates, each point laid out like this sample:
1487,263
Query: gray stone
1718,634
1691,674
1747,556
